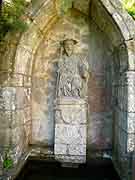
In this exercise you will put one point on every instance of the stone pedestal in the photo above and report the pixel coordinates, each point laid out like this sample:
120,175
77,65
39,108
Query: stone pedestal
70,131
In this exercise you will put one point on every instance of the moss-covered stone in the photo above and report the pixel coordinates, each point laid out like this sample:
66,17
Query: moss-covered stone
63,6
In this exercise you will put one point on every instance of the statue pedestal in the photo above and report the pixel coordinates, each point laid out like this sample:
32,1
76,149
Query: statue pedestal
70,130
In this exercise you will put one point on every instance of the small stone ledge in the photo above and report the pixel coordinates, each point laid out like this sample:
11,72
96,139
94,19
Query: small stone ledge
37,150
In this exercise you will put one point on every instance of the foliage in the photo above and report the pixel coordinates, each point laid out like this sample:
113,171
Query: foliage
7,160
129,5
8,163
10,17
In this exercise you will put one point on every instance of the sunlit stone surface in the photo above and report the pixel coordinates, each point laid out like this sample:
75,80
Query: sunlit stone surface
30,122
71,131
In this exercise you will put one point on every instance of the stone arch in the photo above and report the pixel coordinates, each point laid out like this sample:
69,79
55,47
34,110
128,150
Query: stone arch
116,24
42,21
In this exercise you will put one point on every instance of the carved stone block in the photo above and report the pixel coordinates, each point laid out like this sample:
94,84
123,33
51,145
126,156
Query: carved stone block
70,134
71,130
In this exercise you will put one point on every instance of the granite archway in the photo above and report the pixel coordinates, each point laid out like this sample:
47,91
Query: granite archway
111,30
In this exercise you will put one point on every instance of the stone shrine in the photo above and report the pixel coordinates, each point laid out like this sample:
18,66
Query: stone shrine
71,106
67,84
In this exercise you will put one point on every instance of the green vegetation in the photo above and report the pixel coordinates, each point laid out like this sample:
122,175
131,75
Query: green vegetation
65,5
7,160
8,163
11,17
129,5
12,14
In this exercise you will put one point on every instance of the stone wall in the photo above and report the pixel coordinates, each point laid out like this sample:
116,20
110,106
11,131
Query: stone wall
100,83
28,78
94,44
44,73
122,68
14,105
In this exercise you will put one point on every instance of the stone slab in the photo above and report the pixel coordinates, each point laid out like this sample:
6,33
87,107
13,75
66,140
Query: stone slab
71,150
70,130
69,159
71,114
70,134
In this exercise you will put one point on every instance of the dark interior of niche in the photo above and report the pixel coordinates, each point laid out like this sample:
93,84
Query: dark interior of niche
45,170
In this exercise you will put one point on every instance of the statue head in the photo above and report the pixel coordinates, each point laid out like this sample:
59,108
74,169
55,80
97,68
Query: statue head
68,45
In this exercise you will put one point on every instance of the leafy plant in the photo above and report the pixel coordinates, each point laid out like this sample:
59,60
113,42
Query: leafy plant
129,5
6,160
8,163
11,17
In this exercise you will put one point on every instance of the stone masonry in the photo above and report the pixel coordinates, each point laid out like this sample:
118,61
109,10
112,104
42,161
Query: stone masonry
28,84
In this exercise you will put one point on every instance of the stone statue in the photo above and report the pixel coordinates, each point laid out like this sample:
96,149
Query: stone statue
73,72
71,106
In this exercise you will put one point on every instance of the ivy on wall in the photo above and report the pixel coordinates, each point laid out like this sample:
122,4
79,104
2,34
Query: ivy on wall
11,13
129,5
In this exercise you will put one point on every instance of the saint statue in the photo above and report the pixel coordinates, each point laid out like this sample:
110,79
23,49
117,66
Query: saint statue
73,72
71,107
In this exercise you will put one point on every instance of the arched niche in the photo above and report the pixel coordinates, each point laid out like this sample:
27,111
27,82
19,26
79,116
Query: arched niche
74,25
105,32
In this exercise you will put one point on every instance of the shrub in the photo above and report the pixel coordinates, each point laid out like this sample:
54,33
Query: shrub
10,17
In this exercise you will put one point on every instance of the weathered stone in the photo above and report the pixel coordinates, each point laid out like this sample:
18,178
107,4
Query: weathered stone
23,67
42,19
121,51
131,122
71,104
105,22
133,166
5,136
16,80
111,53
70,134
119,19
70,149
7,98
99,131
29,43
5,119
131,91
130,142
83,6
79,150
123,19
14,98
7,51
67,159
63,6
23,97
64,112
27,81
20,117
